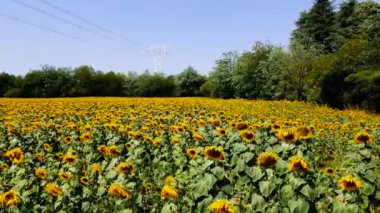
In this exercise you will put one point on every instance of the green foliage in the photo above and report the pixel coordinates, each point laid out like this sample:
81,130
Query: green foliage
315,28
189,82
220,77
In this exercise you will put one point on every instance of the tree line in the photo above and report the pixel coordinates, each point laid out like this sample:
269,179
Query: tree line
333,58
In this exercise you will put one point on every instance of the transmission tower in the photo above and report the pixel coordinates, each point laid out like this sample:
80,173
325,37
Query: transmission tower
159,52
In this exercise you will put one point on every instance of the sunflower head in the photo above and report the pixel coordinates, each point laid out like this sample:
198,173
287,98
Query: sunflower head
67,140
247,136
41,173
170,181
47,147
267,159
329,171
118,190
221,132
96,169
69,158
3,166
303,132
168,192
298,164
363,138
15,155
288,136
39,157
192,153
124,168
221,206
349,183
84,180
113,150
64,176
214,153
102,149
53,190
10,198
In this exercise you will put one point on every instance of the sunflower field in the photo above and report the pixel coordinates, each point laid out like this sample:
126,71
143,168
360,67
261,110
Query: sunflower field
186,155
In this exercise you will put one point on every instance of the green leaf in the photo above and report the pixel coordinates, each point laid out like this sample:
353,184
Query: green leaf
258,203
371,176
240,166
287,192
368,189
299,206
266,188
239,147
308,192
255,173
247,156
169,208
339,207
218,172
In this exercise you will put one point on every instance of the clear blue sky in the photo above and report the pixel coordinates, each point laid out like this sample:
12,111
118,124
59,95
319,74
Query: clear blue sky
197,32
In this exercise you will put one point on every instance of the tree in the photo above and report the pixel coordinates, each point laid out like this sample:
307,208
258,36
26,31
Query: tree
249,75
189,82
346,22
7,82
315,28
296,72
221,76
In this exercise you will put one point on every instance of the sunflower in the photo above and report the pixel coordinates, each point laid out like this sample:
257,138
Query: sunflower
221,206
170,181
10,198
96,169
67,140
157,141
84,180
174,140
41,173
15,155
168,193
247,136
59,156
242,125
363,137
123,168
3,166
329,171
349,183
69,158
221,132
298,164
102,149
198,137
64,176
303,132
192,153
214,153
128,145
288,136
180,129
267,159
85,137
118,190
39,157
148,186
47,147
113,150
53,190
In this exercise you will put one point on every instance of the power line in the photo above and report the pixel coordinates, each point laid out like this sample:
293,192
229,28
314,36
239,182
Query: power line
13,18
60,19
88,22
